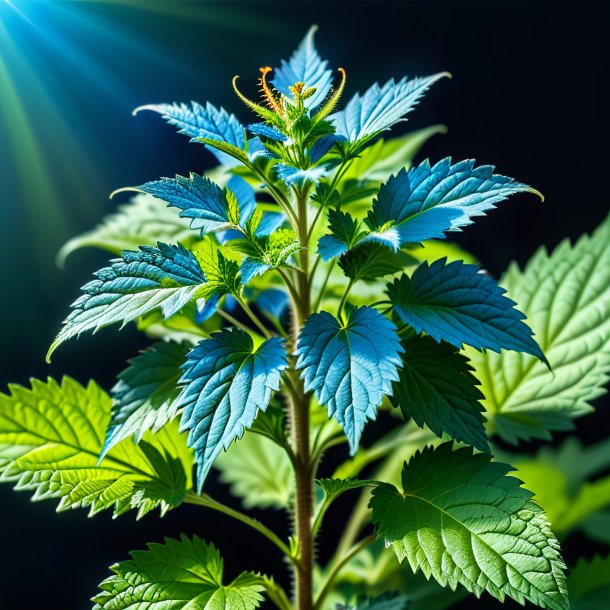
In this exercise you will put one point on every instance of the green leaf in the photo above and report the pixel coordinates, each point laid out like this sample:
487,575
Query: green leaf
436,388
387,601
258,471
559,478
51,437
145,396
221,271
180,574
268,252
461,520
333,488
143,221
226,380
566,297
165,278
589,584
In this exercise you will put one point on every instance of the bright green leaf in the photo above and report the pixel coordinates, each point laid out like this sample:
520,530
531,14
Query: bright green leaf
180,574
461,520
51,438
566,297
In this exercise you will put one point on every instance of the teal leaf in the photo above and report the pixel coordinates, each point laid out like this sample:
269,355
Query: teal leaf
460,519
305,66
371,261
345,234
456,303
380,107
226,382
177,575
426,201
207,122
437,388
165,277
144,398
297,176
267,131
350,365
202,201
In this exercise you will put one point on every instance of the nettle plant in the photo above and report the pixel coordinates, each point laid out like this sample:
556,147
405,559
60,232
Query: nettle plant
295,291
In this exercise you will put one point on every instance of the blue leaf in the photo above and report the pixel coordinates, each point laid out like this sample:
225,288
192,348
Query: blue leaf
457,304
166,277
226,382
244,193
293,175
257,149
307,67
380,107
198,121
270,222
198,198
208,309
426,201
323,145
251,267
350,365
267,131
272,302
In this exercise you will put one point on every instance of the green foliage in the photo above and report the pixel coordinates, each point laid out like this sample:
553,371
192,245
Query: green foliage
566,296
589,584
185,573
258,471
294,292
461,520
437,389
51,437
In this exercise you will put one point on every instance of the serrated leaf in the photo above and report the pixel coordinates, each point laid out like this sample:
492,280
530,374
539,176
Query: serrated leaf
458,304
51,437
202,201
176,575
144,398
305,66
371,262
141,222
427,201
333,488
222,273
589,584
437,389
226,382
387,601
299,176
349,364
257,471
165,277
380,107
345,234
566,296
270,252
460,519
199,122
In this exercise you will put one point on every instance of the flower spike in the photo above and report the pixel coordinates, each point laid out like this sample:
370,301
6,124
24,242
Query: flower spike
268,93
263,112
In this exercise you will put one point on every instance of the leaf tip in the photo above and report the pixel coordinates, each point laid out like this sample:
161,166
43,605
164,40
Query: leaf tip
125,189
152,107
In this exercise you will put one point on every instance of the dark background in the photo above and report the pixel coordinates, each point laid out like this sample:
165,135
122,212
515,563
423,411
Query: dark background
529,93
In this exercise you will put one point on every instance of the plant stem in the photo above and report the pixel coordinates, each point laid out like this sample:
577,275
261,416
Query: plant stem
303,466
209,502
255,319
